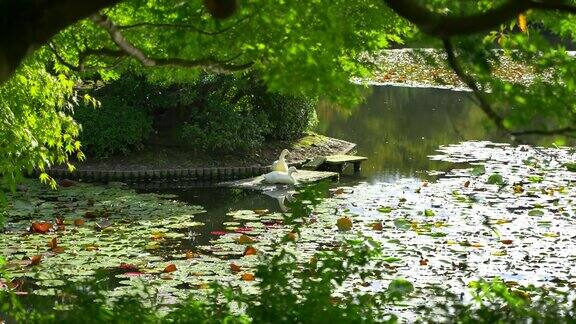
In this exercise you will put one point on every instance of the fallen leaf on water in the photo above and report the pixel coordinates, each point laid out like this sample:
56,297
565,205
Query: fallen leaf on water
40,227
339,191
243,230
250,250
247,276
79,222
35,260
429,212
53,244
218,233
377,226
129,267
191,255
260,211
344,223
235,268
467,184
245,239
292,236
91,247
506,242
158,235
170,268
423,262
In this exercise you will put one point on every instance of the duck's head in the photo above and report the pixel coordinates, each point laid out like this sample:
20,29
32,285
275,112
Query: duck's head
292,170
284,153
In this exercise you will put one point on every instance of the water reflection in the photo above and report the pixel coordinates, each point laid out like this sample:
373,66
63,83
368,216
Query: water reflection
397,128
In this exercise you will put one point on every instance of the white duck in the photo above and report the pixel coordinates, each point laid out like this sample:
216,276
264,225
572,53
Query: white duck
281,177
280,164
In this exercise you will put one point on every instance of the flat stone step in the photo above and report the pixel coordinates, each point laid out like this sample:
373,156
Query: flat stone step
302,177
341,158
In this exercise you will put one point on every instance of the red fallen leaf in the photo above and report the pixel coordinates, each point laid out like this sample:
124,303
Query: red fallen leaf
79,222
170,268
507,242
377,226
40,227
250,250
243,230
423,262
425,184
247,277
133,274
90,215
218,233
467,184
129,267
235,268
35,260
339,191
66,183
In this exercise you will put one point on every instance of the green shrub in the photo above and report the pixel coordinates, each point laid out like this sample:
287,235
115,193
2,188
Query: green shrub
114,127
223,128
238,113
289,117
123,120
227,114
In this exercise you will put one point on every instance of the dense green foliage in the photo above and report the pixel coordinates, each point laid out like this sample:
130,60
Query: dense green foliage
238,113
36,130
122,120
215,113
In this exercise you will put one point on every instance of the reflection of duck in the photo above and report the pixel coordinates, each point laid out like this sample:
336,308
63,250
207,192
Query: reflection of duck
280,164
282,196
281,177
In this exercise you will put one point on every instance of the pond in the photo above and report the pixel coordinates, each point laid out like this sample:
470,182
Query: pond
490,211
397,128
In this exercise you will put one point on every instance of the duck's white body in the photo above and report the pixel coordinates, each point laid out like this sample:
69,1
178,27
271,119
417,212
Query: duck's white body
280,164
280,177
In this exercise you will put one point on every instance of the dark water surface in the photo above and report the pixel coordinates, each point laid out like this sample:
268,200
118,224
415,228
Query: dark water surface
397,128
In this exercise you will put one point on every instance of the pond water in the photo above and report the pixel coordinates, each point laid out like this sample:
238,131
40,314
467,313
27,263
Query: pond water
397,128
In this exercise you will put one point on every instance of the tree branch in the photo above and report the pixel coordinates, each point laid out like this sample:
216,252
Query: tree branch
26,25
471,83
124,45
441,25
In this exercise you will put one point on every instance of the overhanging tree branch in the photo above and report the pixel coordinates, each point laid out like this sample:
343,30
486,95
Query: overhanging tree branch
471,83
127,47
442,25
27,25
